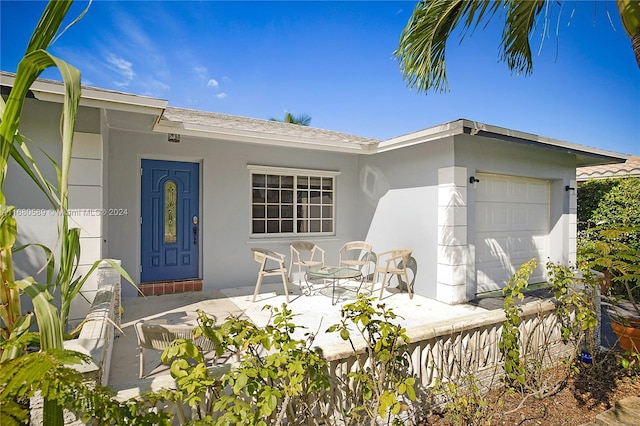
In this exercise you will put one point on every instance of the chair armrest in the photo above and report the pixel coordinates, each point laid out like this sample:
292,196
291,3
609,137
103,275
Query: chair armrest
321,250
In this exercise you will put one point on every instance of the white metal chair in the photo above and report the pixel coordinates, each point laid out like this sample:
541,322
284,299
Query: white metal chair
358,255
304,255
394,262
271,263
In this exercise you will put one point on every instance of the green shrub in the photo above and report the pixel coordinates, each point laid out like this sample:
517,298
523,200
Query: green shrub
589,195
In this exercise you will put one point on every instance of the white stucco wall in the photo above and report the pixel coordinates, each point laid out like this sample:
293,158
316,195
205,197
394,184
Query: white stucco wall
400,206
35,216
225,200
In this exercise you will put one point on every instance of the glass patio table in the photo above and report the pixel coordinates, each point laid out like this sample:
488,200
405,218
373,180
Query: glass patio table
334,274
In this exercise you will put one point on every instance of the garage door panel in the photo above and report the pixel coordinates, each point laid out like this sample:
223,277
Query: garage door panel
538,192
501,217
512,227
538,218
491,248
499,272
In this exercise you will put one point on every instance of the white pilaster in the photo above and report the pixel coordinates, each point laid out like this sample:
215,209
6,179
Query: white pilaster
453,249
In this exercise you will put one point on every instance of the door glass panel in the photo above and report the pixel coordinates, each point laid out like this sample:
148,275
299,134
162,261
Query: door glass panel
170,212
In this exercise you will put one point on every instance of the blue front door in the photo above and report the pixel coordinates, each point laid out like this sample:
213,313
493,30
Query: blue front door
170,221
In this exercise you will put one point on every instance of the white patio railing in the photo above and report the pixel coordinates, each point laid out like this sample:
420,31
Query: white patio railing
463,346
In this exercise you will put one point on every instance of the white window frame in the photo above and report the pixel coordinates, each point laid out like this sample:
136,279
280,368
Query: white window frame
295,173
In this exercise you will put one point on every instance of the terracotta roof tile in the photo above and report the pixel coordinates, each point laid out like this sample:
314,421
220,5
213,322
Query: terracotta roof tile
629,167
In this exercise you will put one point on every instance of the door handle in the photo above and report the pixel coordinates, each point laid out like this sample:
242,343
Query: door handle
195,229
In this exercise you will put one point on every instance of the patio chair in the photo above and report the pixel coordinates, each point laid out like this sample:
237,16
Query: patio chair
358,255
394,262
305,254
271,263
158,336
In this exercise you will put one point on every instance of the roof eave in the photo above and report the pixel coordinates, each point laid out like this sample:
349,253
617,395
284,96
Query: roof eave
53,91
585,156
427,135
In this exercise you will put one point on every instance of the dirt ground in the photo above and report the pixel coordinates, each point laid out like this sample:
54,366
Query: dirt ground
593,390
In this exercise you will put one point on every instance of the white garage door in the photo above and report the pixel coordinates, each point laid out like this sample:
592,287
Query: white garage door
512,226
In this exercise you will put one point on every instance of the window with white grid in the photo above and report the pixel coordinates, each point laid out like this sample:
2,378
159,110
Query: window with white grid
292,201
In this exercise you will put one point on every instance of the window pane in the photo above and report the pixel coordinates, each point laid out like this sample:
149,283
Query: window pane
303,182
287,226
258,212
327,226
314,197
273,226
286,181
327,212
273,181
259,196
258,227
302,226
286,212
287,196
314,211
327,198
315,226
259,181
314,182
273,211
273,196
327,184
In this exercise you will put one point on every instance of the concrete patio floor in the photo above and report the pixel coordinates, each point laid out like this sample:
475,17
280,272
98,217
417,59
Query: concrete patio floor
314,312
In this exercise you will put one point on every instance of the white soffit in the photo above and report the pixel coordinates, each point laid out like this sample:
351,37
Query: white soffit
585,155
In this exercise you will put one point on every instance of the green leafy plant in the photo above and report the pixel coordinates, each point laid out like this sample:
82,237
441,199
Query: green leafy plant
515,370
382,386
611,243
22,379
528,358
277,377
574,303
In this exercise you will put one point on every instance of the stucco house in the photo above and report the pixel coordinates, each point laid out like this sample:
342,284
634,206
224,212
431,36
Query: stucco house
180,196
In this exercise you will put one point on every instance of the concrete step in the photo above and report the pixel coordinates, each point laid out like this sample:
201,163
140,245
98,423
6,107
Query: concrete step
626,412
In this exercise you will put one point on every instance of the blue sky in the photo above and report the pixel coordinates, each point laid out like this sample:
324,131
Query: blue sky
334,62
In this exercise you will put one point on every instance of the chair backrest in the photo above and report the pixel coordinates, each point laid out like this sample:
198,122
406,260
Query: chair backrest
303,246
403,253
308,248
160,336
355,250
261,256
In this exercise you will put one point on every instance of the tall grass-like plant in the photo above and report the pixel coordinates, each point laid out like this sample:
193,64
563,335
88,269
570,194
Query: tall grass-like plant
15,325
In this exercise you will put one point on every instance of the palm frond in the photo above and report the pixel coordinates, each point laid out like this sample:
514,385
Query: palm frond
520,23
423,42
